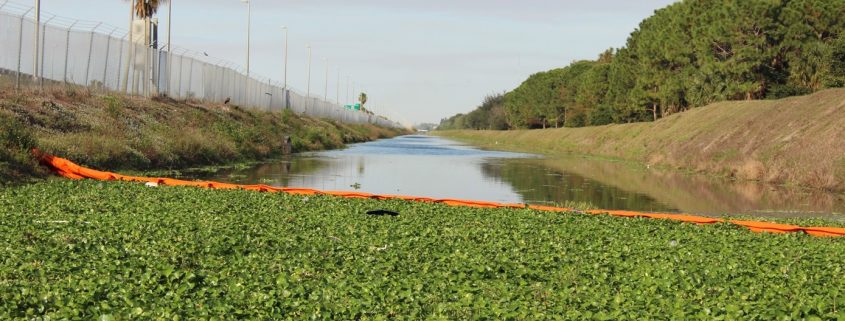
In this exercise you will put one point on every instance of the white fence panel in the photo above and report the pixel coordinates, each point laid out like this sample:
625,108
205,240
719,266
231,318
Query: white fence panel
91,54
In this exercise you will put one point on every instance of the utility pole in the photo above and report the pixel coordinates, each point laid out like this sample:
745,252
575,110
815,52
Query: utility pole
337,98
169,46
154,61
147,68
248,31
308,91
169,24
248,42
129,53
286,56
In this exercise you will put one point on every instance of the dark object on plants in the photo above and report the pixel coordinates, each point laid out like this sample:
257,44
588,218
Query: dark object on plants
382,213
228,99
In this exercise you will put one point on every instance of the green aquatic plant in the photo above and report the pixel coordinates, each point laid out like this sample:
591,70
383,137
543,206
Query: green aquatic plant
111,250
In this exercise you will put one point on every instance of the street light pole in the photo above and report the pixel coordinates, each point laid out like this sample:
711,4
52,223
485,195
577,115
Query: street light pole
286,56
248,31
131,52
169,45
337,98
248,40
308,92
169,25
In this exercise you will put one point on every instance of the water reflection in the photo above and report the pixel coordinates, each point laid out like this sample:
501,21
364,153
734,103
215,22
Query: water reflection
539,183
409,165
636,187
434,167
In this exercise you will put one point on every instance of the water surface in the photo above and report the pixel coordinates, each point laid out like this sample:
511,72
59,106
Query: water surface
435,167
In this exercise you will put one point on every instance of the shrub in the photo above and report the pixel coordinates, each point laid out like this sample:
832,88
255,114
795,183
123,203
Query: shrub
16,160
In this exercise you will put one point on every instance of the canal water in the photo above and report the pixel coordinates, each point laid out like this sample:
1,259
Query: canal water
434,167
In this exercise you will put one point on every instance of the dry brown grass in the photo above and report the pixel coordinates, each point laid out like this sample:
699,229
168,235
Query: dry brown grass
794,141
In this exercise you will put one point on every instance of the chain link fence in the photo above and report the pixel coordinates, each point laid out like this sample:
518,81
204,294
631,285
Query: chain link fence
100,56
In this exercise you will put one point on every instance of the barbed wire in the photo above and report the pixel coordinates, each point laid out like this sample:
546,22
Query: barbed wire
49,19
53,20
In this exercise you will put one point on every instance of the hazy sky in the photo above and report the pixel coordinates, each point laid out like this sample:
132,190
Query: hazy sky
418,60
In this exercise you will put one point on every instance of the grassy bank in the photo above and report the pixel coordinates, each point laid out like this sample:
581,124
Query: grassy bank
93,250
115,132
793,141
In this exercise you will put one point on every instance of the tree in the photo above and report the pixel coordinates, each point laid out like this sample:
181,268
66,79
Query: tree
621,93
528,105
837,62
690,54
592,90
147,8
809,30
574,112
490,115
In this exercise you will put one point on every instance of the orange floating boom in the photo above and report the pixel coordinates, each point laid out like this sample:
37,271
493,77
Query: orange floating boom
68,169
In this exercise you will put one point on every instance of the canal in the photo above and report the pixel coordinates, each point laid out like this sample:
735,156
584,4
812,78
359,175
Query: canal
434,167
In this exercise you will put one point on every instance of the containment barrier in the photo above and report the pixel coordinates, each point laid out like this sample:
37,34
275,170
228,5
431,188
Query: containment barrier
68,169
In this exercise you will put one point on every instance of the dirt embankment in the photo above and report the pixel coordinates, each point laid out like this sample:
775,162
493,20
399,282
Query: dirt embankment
794,141
116,132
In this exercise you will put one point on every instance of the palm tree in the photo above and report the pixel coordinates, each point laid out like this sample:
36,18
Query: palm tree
146,8
143,9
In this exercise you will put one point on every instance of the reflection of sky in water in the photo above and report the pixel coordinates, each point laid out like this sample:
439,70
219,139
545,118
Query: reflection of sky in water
434,167
411,165
418,146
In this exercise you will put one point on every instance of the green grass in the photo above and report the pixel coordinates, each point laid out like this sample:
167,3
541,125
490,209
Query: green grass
96,250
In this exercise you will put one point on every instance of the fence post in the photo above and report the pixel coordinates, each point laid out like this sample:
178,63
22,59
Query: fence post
20,51
35,50
119,65
169,71
270,92
181,66
43,50
224,87
247,96
190,79
108,51
90,49
234,83
67,48
155,73
220,82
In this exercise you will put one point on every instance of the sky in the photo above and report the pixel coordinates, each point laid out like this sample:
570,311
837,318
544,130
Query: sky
417,60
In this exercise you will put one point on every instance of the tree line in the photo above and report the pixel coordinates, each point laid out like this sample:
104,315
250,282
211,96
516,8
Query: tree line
689,54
